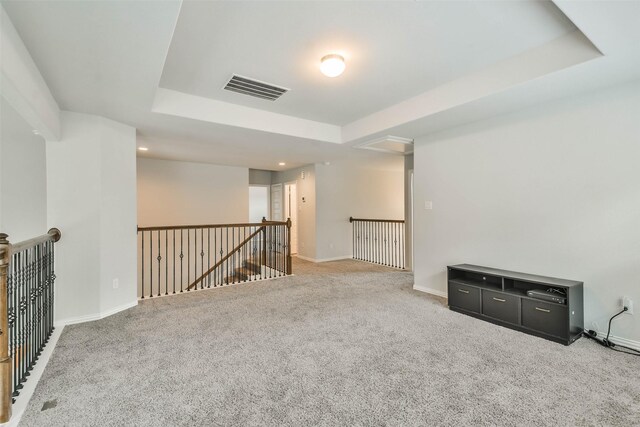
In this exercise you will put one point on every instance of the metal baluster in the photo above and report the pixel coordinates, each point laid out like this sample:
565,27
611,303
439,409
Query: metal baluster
227,260
11,301
142,256
195,257
166,262
393,245
151,263
181,260
188,259
245,264
215,257
173,264
384,243
159,258
29,335
201,257
20,318
402,236
38,324
209,256
359,240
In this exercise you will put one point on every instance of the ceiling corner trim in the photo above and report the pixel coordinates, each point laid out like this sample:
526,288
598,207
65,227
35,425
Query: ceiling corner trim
194,107
557,55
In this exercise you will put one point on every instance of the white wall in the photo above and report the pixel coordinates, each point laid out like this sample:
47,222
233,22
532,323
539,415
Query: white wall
306,189
259,177
181,193
23,180
553,190
352,189
118,249
91,198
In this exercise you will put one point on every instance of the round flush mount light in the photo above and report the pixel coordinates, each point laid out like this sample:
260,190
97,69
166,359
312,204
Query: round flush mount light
332,65
281,164
143,149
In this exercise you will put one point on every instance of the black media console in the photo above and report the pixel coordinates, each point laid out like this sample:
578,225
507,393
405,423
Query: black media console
500,297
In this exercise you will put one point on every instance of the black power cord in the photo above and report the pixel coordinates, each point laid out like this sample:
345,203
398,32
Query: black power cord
607,343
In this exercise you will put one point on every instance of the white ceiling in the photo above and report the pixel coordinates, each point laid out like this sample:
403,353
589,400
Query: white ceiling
413,68
393,50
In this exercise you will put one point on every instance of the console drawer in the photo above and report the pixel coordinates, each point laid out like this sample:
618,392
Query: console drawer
463,296
544,317
500,306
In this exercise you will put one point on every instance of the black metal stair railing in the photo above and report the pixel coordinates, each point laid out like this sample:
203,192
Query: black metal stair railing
177,259
29,280
380,241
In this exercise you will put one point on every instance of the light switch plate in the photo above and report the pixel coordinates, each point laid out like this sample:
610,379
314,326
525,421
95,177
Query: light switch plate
428,205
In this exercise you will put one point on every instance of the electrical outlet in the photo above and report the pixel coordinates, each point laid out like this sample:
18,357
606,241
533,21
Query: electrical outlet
627,302
116,283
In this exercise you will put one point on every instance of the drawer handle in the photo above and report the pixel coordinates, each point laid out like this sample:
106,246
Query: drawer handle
464,291
543,309
499,299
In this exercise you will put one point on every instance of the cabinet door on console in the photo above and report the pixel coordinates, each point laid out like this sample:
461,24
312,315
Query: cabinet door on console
465,297
500,306
551,319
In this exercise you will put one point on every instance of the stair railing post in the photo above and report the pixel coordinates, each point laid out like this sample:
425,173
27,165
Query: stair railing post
289,269
5,360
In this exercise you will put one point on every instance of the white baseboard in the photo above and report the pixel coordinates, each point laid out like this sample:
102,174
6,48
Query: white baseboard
430,291
97,316
29,386
338,258
620,341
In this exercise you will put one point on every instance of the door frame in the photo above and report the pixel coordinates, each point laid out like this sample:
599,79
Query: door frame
286,204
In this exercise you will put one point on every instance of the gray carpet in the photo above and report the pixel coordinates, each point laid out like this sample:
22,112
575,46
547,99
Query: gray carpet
343,343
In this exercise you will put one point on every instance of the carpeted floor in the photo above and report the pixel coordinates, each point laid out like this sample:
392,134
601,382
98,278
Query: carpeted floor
342,343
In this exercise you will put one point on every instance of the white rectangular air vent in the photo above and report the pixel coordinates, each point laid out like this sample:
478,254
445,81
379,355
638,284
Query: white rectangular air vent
255,88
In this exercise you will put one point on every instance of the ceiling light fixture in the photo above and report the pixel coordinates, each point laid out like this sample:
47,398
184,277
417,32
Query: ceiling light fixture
332,65
281,164
143,149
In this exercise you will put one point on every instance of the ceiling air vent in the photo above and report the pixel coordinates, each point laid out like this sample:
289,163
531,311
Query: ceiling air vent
255,88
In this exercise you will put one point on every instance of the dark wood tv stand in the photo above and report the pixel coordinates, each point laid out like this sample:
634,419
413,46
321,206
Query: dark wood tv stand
500,297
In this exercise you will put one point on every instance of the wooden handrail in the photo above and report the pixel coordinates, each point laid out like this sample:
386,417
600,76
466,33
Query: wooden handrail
351,219
191,227
53,234
226,257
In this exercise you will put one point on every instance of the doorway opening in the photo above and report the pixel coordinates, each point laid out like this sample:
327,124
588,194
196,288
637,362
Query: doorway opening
258,202
291,211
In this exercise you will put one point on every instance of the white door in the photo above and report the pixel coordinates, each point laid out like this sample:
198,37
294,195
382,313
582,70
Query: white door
276,202
291,211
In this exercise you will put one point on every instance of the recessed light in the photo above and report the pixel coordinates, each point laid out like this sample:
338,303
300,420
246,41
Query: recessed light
332,65
36,132
143,149
281,164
